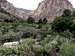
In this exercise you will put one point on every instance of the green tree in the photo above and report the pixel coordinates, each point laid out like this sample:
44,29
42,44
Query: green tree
73,14
66,13
9,20
44,20
61,24
30,20
40,21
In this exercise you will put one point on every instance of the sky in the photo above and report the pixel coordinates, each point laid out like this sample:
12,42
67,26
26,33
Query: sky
30,4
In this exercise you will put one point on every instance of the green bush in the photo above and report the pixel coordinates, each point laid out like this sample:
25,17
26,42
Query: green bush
7,51
39,26
9,20
68,49
44,20
30,20
38,49
23,47
73,13
40,21
66,13
61,24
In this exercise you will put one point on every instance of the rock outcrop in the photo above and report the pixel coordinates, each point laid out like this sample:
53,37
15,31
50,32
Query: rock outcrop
8,7
51,8
46,9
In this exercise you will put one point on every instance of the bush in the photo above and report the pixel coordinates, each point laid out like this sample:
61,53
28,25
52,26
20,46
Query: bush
9,20
39,26
26,35
23,47
61,24
38,49
66,13
40,21
67,34
68,49
73,14
30,20
44,20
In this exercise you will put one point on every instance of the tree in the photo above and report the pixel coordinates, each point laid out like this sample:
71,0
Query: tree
44,20
40,21
30,20
66,13
61,24
73,14
9,20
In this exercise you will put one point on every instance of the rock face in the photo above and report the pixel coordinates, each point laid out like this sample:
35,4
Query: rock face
21,13
51,8
46,9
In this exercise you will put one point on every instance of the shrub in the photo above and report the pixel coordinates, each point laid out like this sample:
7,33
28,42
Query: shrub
68,49
66,13
39,26
44,20
30,20
73,14
61,24
26,34
9,20
38,49
40,21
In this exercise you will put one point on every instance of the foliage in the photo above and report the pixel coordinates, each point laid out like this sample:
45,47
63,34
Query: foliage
38,37
9,20
68,49
30,20
39,26
40,21
66,13
25,46
73,13
44,20
7,51
61,24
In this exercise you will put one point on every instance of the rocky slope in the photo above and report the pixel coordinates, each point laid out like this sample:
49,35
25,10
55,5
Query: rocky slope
8,7
46,9
51,8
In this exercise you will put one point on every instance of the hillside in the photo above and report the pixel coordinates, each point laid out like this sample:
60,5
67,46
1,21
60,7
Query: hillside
31,38
46,9
21,35
51,8
18,12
